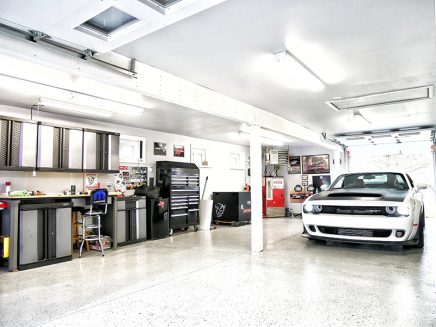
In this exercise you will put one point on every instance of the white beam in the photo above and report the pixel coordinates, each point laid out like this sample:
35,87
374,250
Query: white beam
150,81
256,189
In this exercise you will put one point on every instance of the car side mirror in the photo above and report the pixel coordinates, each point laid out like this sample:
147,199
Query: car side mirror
324,187
421,186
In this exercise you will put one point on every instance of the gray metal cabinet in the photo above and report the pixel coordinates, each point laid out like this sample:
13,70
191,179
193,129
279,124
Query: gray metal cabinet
44,235
121,226
18,140
59,148
101,151
31,237
131,220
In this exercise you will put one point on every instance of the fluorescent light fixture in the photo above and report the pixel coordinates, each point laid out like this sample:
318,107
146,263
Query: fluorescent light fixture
263,140
385,98
267,135
300,71
106,105
65,106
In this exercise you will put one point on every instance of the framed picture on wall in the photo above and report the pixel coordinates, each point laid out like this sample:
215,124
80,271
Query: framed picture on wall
179,151
317,164
294,165
304,177
160,149
305,183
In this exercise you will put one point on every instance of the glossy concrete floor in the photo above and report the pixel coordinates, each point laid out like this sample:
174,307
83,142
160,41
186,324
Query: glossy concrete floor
212,279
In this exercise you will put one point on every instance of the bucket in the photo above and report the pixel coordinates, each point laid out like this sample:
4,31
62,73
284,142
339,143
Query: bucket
205,214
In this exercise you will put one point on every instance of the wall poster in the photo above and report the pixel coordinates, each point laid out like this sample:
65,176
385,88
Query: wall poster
317,164
91,181
179,151
160,149
294,165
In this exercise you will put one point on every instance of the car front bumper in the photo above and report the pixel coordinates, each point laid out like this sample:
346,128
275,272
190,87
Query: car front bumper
360,228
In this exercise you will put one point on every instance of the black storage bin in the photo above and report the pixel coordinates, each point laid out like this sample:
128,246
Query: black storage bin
157,218
231,206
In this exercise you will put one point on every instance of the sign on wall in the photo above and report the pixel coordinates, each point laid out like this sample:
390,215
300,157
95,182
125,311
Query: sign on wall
179,151
160,149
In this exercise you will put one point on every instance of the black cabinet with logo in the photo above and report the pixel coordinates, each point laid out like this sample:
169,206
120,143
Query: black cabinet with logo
231,206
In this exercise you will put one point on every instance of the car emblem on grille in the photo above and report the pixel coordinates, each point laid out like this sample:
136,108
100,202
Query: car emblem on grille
342,211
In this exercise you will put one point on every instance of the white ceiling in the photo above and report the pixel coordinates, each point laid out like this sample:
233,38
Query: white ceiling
373,46
60,18
357,47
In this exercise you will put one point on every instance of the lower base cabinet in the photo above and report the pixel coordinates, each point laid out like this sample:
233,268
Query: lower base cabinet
44,234
131,220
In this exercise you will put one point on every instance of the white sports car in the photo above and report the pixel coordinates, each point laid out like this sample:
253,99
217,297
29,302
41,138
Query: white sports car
379,208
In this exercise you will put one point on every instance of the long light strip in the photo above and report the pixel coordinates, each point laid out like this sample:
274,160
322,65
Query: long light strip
65,106
106,105
267,135
53,93
382,98
296,67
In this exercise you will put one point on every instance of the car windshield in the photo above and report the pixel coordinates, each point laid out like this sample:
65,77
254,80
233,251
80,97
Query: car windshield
371,181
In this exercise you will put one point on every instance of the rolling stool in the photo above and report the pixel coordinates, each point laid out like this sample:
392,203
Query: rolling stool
99,198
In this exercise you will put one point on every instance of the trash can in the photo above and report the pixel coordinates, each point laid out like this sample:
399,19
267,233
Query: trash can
205,214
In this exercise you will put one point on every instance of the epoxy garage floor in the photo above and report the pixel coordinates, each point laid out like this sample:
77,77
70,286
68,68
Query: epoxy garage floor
212,279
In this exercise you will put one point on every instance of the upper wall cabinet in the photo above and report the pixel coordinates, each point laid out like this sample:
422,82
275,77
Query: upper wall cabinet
101,151
132,149
18,141
59,148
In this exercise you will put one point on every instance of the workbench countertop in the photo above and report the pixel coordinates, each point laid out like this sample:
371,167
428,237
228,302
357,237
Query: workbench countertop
4,197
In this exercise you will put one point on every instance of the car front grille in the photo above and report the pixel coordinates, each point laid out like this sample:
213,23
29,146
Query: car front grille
355,231
349,210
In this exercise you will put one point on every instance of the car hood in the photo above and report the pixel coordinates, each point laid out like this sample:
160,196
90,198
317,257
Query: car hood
361,194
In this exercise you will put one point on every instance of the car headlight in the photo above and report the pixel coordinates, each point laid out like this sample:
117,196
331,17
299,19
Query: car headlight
308,208
403,210
390,210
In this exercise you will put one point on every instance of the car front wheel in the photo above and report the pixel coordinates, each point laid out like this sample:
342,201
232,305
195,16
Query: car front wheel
420,233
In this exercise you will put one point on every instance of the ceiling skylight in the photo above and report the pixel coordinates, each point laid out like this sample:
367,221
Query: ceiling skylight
168,6
107,23
165,3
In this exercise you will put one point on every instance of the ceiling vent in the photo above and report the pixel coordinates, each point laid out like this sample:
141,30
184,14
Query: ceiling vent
109,23
380,99
167,6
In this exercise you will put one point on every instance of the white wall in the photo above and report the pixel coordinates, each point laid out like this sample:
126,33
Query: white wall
221,177
337,167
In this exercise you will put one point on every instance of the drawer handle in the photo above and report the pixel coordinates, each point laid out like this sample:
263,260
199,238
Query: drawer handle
179,215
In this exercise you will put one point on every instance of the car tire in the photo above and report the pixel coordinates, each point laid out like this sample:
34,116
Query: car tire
420,233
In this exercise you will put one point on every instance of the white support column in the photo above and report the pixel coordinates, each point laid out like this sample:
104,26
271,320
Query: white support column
256,190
